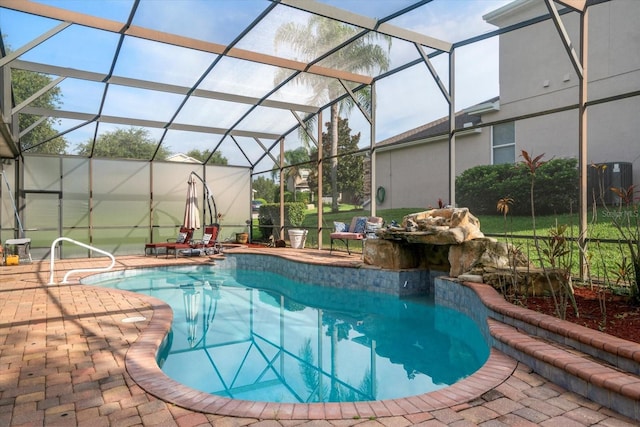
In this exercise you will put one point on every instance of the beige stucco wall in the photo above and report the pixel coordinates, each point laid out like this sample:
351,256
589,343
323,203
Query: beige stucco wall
535,69
413,177
417,176
613,134
536,75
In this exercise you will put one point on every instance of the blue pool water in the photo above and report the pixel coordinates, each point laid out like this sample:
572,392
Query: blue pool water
254,335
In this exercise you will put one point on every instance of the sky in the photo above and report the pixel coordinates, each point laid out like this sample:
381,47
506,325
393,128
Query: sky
404,101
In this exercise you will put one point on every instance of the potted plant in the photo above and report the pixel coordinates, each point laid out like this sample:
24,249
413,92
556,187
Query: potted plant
297,235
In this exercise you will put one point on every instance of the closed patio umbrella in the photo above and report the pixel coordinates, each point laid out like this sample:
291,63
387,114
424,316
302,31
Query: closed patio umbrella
191,211
191,300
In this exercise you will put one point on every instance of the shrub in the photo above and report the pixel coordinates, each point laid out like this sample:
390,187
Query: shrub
295,213
301,196
266,213
269,217
304,197
556,188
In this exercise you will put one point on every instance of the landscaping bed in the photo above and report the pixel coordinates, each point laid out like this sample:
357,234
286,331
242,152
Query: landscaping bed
622,317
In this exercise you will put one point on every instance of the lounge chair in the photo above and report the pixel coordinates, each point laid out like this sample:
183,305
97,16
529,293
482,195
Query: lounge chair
185,235
209,243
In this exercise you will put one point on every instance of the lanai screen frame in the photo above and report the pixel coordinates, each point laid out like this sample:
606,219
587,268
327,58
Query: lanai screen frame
9,134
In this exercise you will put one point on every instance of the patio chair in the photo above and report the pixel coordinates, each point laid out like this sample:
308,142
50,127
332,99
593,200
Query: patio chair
361,228
209,243
184,238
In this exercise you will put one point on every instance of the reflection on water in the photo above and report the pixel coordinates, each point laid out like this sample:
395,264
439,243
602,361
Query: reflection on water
259,336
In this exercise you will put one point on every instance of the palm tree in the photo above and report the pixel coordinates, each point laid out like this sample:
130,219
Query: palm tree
294,161
362,55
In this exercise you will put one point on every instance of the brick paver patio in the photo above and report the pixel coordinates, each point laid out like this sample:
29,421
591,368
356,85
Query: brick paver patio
62,362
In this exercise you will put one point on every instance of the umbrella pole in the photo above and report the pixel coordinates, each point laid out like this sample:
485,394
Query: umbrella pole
212,213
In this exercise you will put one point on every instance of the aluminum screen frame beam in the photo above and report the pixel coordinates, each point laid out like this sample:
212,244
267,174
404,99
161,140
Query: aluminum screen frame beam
175,40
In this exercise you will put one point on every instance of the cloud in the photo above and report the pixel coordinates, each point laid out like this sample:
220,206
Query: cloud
406,100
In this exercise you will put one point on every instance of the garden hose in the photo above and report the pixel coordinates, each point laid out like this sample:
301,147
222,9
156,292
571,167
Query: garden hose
380,193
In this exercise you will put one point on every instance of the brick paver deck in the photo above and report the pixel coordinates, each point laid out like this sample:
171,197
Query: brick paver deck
67,358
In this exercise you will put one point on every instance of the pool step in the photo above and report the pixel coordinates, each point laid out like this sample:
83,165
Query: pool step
572,369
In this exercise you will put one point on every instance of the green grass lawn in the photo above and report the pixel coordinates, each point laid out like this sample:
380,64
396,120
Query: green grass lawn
604,259
345,214
606,247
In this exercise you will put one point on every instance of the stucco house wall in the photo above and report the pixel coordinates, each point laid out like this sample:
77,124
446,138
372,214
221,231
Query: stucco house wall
535,76
420,188
417,175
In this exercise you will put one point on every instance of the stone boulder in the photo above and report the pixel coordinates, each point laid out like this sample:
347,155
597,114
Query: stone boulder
528,281
450,240
445,226
400,255
477,256
389,255
504,267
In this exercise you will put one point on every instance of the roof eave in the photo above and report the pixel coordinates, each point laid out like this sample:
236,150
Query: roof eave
431,139
487,107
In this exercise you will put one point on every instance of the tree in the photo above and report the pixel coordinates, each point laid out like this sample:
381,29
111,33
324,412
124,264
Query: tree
42,138
364,55
216,159
132,143
265,188
350,171
294,160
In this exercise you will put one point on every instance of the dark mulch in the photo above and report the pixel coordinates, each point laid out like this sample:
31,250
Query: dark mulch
616,315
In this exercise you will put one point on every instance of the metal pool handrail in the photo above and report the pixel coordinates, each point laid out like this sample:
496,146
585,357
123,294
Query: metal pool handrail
69,273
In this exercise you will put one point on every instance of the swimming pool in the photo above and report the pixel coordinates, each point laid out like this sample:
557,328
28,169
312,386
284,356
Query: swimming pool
256,335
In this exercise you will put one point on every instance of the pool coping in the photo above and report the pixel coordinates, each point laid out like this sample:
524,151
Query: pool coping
142,366
517,341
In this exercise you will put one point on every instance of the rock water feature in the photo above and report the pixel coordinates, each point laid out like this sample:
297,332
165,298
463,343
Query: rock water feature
449,240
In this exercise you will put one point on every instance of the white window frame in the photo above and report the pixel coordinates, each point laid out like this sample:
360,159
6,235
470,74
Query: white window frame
505,145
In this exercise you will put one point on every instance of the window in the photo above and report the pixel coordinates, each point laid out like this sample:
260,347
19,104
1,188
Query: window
504,143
